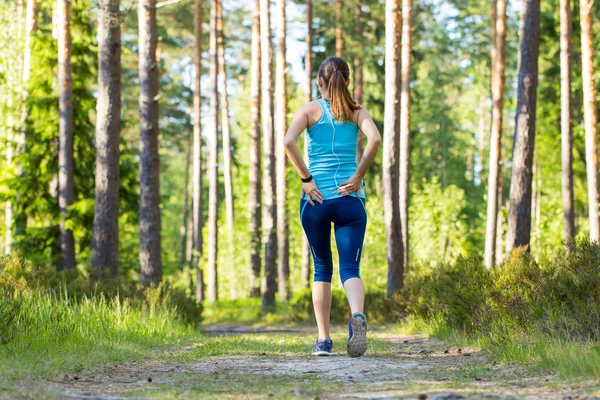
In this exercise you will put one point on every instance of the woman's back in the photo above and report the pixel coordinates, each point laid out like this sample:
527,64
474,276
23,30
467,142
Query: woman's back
332,151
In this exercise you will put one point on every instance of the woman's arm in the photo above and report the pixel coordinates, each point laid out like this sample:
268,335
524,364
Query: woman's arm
298,125
366,124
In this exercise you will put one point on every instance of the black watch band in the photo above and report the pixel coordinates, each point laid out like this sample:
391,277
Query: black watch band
310,178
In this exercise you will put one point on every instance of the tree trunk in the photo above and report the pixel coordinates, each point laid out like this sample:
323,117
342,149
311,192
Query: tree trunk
519,217
305,268
105,240
281,111
226,135
339,39
495,167
183,229
391,150
197,215
358,74
65,127
255,151
269,210
566,125
213,154
405,62
150,257
590,116
499,219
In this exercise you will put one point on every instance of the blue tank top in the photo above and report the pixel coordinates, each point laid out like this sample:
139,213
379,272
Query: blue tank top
332,152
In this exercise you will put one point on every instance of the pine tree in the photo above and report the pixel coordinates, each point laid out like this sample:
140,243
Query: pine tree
391,150
269,210
65,154
519,217
281,110
105,242
150,241
255,151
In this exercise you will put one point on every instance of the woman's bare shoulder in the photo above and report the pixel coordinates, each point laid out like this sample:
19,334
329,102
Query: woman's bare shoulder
313,112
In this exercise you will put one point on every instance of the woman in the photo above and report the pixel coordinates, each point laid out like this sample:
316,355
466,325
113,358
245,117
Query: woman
332,192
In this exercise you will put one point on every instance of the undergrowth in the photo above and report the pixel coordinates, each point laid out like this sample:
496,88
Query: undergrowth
543,313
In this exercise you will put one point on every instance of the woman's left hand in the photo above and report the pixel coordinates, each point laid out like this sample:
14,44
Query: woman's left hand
350,186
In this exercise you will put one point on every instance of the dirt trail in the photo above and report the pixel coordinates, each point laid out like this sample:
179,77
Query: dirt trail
419,368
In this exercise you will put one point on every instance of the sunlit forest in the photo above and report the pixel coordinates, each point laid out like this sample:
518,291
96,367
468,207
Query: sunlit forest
144,181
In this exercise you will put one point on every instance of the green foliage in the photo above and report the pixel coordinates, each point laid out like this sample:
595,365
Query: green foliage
10,310
559,295
73,334
438,223
75,324
20,275
455,290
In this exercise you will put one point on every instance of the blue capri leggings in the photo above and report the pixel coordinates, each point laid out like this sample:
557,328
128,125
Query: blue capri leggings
349,218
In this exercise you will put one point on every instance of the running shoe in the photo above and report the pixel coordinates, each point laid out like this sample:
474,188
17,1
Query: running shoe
322,347
357,335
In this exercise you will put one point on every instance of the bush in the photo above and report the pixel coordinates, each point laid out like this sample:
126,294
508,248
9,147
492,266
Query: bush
558,295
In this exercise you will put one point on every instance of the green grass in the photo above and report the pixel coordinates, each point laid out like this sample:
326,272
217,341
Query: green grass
55,333
268,344
571,358
246,312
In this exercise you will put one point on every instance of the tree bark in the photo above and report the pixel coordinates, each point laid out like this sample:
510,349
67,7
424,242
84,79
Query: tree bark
566,125
405,123
183,229
105,238
269,210
150,241
255,151
391,150
590,116
499,219
339,39
65,127
495,167
281,111
305,268
519,217
197,214
358,74
226,135
213,154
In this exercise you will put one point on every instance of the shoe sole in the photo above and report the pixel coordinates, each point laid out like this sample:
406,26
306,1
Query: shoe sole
321,353
357,346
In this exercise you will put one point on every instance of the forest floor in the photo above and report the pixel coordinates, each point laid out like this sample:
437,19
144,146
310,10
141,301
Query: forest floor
239,362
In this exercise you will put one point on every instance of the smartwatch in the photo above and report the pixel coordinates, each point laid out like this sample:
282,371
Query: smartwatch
305,180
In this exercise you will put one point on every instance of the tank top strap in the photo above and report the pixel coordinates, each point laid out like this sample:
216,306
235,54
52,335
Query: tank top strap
326,114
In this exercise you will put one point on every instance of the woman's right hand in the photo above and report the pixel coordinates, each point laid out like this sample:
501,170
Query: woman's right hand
310,188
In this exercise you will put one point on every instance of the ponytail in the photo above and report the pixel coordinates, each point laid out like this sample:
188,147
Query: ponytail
335,72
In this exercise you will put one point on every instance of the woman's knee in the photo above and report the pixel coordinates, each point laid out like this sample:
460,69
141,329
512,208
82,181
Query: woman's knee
323,271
